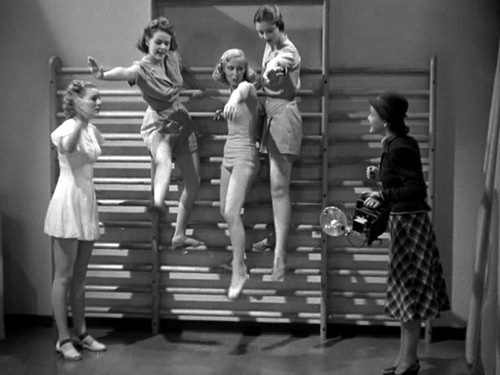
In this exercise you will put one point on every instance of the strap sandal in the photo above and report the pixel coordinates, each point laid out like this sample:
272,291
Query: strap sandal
266,244
89,343
67,351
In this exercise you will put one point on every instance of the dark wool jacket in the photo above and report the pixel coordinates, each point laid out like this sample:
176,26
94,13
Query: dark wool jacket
400,171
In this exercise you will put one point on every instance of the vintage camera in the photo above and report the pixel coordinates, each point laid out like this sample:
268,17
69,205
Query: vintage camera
370,222
366,222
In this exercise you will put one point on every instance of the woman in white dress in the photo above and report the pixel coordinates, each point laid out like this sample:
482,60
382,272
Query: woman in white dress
72,219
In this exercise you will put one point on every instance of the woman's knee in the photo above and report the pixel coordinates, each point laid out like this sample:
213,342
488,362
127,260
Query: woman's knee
63,278
279,190
162,160
192,184
230,215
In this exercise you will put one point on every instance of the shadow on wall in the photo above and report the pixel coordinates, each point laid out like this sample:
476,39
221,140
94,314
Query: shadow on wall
210,30
21,295
25,186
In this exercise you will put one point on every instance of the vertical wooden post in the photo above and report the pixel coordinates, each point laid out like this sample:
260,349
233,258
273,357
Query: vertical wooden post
155,262
2,323
54,66
325,99
432,149
154,9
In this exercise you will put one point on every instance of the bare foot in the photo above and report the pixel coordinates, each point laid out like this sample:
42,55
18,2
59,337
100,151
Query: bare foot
238,280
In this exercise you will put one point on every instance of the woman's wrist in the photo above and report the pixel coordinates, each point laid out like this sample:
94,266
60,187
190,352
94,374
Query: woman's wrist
100,74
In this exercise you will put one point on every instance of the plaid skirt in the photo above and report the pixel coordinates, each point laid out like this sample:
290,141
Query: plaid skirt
415,285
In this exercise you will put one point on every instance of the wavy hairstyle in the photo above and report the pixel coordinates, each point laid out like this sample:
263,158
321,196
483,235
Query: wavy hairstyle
271,14
75,89
233,53
158,24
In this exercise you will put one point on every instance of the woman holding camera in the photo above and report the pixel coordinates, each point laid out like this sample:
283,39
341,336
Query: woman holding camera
415,285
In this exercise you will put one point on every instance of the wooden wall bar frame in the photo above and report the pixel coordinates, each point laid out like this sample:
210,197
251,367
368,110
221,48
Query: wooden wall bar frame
325,68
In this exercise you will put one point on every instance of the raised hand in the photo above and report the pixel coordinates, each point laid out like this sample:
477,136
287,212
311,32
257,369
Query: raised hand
230,109
219,115
273,74
95,69
197,94
371,172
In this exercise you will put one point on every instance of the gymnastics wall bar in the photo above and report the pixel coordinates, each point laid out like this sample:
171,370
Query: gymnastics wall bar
121,274
131,276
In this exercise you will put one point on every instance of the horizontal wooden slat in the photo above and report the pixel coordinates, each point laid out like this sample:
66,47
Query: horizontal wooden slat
193,282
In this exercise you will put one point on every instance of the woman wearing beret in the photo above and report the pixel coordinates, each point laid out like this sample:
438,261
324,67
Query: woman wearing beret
415,285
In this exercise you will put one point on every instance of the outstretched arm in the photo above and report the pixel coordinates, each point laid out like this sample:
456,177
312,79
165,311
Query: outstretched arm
278,66
114,74
240,94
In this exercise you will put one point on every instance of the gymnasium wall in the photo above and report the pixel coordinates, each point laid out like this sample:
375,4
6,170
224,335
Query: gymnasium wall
462,34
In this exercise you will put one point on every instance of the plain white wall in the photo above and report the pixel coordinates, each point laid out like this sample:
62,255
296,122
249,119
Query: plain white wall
463,35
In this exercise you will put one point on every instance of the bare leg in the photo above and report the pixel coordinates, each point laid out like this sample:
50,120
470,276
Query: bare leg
411,336
390,370
191,178
280,172
162,157
65,253
77,286
234,188
402,345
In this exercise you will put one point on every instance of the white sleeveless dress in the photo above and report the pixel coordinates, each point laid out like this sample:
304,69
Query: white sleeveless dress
72,211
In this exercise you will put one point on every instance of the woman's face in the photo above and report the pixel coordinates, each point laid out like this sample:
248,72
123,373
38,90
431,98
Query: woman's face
89,104
234,69
268,32
377,124
159,45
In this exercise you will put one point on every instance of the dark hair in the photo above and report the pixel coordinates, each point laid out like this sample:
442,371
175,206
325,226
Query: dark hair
75,89
158,24
270,13
398,127
391,106
218,73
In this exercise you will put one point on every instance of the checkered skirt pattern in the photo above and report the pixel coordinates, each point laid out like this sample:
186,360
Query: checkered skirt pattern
415,284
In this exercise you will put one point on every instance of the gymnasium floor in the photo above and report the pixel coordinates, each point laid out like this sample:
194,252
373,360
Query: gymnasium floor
221,350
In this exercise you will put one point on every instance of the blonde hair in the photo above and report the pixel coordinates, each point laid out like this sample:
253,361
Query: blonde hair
218,73
75,89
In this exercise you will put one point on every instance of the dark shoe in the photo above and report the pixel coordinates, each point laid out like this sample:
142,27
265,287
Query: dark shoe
266,244
412,370
67,351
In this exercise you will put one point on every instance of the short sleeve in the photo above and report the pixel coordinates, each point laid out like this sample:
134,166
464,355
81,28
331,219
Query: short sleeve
288,57
97,135
63,130
137,67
